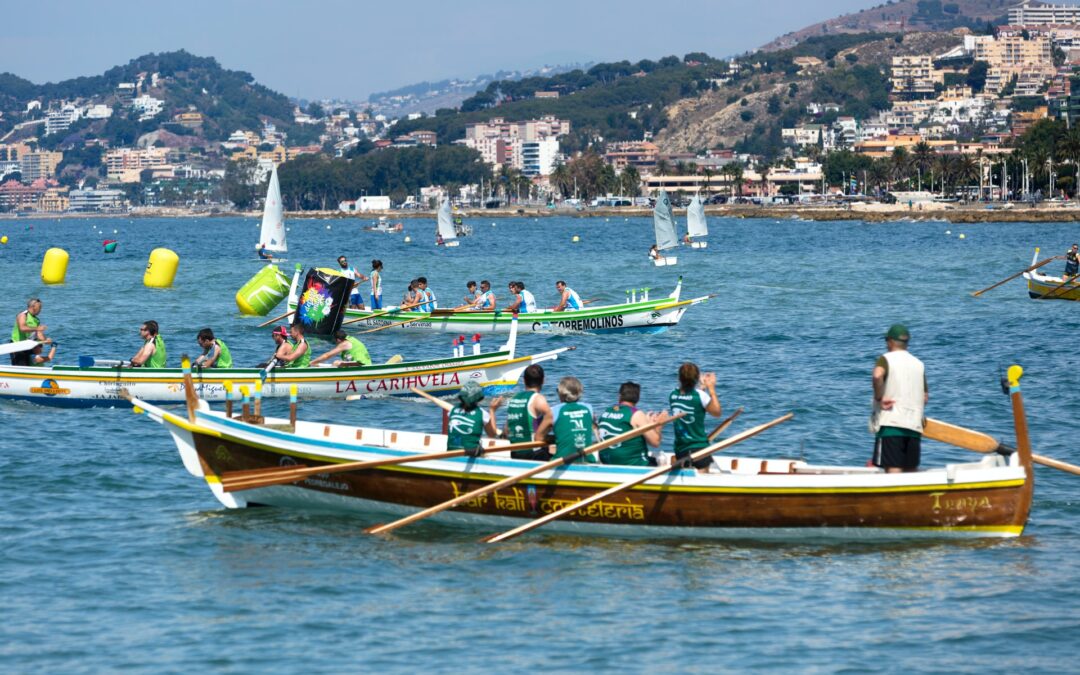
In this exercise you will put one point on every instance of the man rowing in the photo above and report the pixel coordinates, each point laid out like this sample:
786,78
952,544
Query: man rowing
351,347
573,421
471,294
426,296
486,301
568,298
622,417
527,298
528,415
215,353
468,422
28,326
152,354
694,397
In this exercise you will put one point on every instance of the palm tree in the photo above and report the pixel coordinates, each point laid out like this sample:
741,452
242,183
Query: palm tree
708,173
561,179
922,156
663,167
967,169
899,165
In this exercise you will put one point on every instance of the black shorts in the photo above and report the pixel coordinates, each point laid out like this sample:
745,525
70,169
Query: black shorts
897,452
698,464
22,358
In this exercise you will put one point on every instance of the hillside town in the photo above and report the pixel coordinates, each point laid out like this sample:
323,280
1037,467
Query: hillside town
952,129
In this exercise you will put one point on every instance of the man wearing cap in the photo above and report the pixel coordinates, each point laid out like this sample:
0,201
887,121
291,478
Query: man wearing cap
900,395
468,421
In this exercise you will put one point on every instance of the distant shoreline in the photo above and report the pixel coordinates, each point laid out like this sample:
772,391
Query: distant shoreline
875,213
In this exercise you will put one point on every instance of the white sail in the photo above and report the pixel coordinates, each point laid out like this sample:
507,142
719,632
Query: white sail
446,223
664,222
272,234
696,227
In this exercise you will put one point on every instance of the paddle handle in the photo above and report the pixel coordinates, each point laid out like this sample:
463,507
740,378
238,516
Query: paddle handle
1008,279
437,401
722,427
266,323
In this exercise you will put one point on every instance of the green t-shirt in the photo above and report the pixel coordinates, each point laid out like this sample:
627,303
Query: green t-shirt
305,360
573,430
224,359
357,353
690,432
466,428
520,423
157,360
614,421
31,321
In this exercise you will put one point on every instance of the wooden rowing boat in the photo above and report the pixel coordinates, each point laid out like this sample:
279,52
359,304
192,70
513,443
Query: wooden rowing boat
745,497
72,386
641,315
1046,287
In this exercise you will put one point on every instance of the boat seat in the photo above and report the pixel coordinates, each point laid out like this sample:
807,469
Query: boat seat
750,466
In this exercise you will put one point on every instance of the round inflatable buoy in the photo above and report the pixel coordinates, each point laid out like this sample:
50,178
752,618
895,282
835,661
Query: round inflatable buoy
3,239
575,239
54,266
408,239
161,268
963,236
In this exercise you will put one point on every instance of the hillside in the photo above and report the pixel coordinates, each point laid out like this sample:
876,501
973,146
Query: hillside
772,96
227,100
896,16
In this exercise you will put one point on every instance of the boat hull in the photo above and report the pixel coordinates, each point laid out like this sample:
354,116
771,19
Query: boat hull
86,387
982,499
1041,287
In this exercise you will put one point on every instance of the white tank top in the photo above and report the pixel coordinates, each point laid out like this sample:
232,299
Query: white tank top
905,383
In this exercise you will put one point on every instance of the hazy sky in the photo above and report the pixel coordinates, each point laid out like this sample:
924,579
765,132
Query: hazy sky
343,49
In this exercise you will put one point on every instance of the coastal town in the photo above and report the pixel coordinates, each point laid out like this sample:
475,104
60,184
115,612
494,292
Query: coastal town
965,116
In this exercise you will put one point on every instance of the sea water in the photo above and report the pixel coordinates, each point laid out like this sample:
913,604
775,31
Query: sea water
114,558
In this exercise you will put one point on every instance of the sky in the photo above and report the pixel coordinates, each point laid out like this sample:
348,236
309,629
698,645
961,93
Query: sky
318,49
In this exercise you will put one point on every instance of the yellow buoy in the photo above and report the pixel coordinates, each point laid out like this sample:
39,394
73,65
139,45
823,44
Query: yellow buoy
575,239
3,239
963,236
54,266
161,268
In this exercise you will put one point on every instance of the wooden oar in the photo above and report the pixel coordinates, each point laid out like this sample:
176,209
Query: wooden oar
979,442
660,471
234,481
506,482
376,315
722,427
445,405
266,323
1024,271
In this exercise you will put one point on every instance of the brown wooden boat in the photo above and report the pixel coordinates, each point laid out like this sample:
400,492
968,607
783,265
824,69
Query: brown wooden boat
741,497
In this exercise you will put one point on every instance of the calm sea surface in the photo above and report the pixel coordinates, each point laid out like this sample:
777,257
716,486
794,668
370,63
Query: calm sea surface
114,558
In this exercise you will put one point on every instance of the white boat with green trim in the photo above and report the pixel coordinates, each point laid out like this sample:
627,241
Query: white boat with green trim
100,384
638,314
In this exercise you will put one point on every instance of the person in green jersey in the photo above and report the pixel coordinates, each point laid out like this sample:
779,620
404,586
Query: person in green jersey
468,421
573,421
152,353
623,417
528,415
215,353
353,350
299,354
28,326
695,396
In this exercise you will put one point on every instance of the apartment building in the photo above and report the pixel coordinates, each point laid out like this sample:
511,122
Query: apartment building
60,119
642,155
96,200
1028,59
40,164
802,135
914,76
1037,13
126,164
502,143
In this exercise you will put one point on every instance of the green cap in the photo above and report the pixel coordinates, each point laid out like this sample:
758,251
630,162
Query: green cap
471,393
899,332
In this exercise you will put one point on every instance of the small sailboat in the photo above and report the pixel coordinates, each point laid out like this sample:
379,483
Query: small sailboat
445,233
664,224
696,227
272,233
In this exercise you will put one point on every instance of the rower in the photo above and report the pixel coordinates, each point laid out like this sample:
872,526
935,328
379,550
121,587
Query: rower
299,355
152,353
215,353
28,326
282,346
355,351
426,296
527,297
568,298
486,301
693,401
468,421
1072,261
573,421
39,358
528,415
622,417
471,293
516,301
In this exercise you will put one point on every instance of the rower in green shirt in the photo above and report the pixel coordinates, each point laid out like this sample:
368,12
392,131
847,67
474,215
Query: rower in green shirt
528,415
354,351
574,429
215,353
299,354
27,326
468,421
623,417
693,402
152,353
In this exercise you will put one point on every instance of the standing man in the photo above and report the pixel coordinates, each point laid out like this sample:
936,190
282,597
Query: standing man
528,415
1072,261
695,396
28,326
152,353
622,417
900,395
356,299
568,298
215,353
